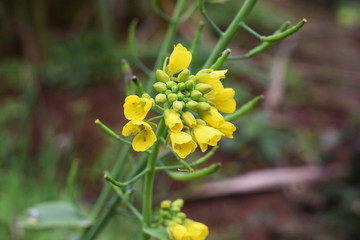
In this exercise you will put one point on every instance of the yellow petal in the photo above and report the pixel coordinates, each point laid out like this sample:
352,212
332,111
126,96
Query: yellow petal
197,230
212,117
179,232
173,121
227,128
223,99
212,78
136,108
129,129
182,144
144,135
179,60
206,135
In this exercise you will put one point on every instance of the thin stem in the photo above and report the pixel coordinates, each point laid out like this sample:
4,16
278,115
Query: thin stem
166,43
201,6
111,132
250,30
196,40
158,107
230,32
155,118
127,203
149,179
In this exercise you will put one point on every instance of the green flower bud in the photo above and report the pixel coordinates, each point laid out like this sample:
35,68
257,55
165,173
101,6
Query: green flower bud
202,99
174,89
187,94
145,95
180,96
160,98
178,202
181,215
195,95
183,76
167,92
189,120
177,220
160,87
165,204
192,105
162,76
203,106
172,97
203,87
178,106
170,84
181,86
175,209
189,84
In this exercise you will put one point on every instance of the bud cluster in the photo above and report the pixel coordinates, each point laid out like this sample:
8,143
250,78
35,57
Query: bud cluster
182,92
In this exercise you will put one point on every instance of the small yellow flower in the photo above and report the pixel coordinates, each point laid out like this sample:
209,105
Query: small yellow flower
206,135
182,143
178,232
144,135
212,117
173,121
136,108
227,128
223,99
179,60
211,77
197,230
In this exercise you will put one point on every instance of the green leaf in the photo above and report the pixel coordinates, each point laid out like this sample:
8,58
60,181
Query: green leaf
54,215
159,233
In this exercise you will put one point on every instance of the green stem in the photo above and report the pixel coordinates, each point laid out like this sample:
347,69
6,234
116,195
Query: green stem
166,43
250,30
230,32
149,179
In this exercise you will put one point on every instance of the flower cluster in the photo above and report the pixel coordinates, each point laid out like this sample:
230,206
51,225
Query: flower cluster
193,102
178,226
191,107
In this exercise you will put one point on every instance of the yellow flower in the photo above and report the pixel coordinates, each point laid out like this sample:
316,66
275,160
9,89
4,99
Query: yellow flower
182,143
223,99
227,128
211,77
173,120
136,108
197,230
206,135
180,59
178,232
144,135
212,117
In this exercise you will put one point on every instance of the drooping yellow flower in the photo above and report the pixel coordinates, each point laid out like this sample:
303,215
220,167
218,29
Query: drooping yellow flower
212,117
136,108
144,135
179,60
211,77
197,230
178,232
223,99
173,120
227,128
182,143
206,135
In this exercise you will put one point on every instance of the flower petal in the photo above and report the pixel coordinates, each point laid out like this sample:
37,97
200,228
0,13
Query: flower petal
179,60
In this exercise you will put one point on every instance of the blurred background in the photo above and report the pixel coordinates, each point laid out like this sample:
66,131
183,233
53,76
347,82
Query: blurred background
292,170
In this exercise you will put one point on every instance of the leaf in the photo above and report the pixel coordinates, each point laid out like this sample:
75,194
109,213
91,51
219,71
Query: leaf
159,233
54,215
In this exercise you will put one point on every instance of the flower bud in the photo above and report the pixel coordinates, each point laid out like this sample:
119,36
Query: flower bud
165,204
183,76
203,106
202,99
180,96
181,215
189,120
160,87
174,89
189,84
172,97
181,86
192,105
170,84
167,92
203,87
178,106
195,95
162,76
160,98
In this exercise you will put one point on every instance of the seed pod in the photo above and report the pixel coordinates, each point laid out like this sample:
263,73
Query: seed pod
162,76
